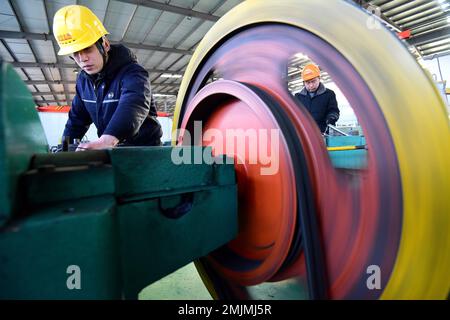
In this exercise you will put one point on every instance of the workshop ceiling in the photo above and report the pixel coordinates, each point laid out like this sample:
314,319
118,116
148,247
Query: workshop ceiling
164,33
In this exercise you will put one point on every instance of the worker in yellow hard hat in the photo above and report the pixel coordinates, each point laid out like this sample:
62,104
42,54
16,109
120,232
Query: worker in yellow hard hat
319,101
112,89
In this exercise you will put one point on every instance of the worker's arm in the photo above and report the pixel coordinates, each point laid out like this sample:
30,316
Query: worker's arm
79,119
332,110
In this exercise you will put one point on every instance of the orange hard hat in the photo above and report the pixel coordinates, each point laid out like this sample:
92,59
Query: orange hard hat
310,71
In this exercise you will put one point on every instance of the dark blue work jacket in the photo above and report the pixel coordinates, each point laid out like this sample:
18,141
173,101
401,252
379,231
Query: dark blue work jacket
322,106
117,100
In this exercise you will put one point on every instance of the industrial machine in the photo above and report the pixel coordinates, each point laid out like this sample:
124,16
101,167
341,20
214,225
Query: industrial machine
249,190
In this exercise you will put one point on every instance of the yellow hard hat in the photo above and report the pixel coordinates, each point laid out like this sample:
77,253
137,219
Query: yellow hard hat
310,71
76,28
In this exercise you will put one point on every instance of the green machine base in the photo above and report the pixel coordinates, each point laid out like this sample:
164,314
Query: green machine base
100,224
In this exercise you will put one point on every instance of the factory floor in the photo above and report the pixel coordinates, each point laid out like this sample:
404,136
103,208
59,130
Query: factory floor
185,284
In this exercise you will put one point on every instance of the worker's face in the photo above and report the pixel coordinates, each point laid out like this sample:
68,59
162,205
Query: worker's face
90,59
313,84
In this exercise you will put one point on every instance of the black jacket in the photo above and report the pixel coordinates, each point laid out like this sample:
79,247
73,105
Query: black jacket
118,100
322,106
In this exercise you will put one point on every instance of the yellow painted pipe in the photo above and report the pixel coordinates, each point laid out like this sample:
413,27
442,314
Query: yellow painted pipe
345,148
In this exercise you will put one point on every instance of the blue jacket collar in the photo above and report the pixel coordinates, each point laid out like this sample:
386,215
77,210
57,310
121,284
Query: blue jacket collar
320,90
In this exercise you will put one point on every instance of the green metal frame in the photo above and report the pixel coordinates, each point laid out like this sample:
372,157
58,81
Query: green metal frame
111,224
124,217
21,136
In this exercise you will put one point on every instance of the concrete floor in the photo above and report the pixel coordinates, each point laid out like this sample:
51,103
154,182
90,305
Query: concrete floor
183,284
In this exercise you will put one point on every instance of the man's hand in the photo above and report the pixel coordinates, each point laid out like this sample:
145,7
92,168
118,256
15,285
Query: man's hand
331,120
104,142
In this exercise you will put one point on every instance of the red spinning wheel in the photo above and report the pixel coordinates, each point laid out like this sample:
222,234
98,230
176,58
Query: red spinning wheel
241,125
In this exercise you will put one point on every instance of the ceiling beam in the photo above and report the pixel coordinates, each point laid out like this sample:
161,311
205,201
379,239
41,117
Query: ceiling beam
70,66
4,34
70,101
154,48
47,93
173,9
436,55
38,82
43,65
54,47
59,93
430,36
367,5
51,101
21,29
395,9
42,82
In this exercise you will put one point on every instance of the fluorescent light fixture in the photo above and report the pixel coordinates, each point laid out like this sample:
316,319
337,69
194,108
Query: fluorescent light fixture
301,56
163,95
170,75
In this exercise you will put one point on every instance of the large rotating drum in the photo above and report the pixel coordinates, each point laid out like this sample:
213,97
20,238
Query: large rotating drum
307,220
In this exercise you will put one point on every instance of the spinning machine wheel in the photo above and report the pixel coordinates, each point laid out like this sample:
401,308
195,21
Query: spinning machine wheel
307,221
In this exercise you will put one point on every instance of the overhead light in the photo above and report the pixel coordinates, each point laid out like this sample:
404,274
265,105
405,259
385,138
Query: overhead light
444,4
171,75
163,95
301,56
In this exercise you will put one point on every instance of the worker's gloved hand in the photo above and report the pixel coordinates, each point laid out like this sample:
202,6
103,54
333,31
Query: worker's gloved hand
104,142
331,120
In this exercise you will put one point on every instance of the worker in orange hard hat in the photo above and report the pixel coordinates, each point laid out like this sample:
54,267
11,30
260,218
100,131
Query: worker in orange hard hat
310,71
318,100
112,89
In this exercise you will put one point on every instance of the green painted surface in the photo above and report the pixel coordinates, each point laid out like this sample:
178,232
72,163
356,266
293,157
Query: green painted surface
151,241
84,210
36,252
65,183
182,284
152,170
21,135
68,159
